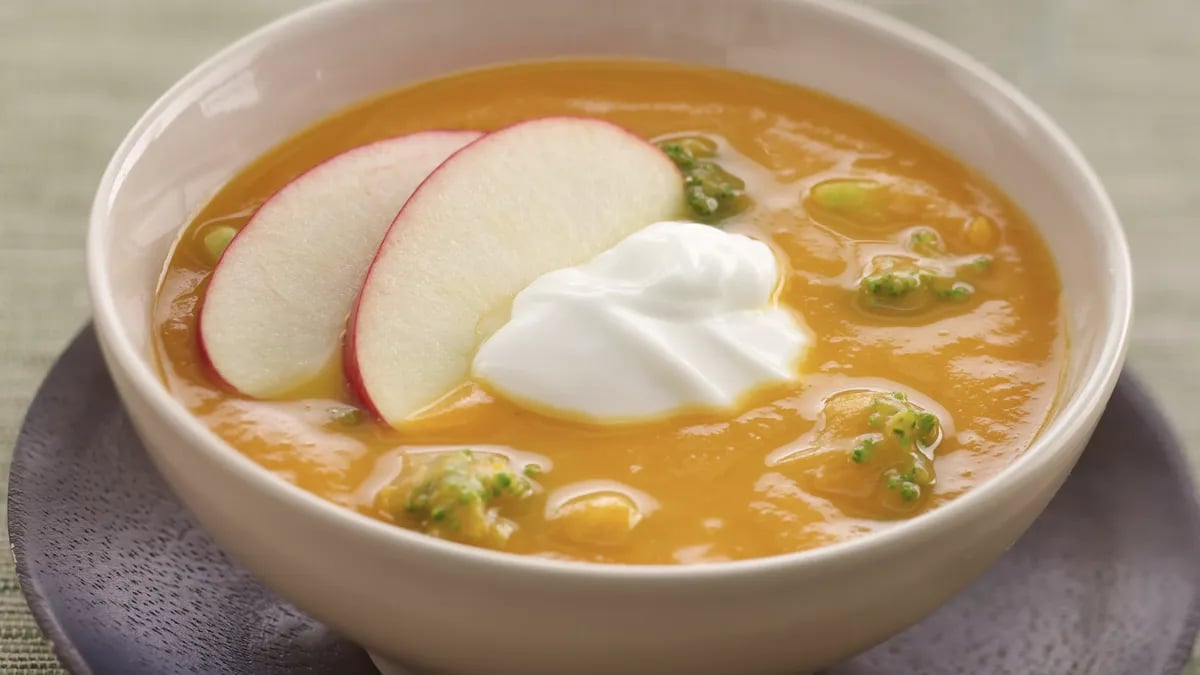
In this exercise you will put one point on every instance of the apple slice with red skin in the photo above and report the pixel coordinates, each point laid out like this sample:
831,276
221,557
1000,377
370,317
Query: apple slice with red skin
278,299
528,199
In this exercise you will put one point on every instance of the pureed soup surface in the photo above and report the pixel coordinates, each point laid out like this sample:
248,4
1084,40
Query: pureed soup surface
983,348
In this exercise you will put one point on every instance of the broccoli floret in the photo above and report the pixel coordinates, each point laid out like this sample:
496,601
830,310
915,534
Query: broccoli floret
907,484
860,201
894,279
926,272
890,442
217,240
863,446
915,432
346,416
866,203
457,495
680,153
712,193
981,263
901,419
926,242
958,290
903,283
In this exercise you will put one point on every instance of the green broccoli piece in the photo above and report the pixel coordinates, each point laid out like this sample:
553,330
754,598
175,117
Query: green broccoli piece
863,447
714,192
856,201
896,283
217,240
683,158
926,242
981,263
904,421
457,495
685,150
958,290
887,434
931,274
849,196
711,192
904,484
916,432
909,284
908,483
893,280
346,416
871,453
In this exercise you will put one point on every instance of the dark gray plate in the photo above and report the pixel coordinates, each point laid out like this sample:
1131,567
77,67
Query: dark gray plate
123,581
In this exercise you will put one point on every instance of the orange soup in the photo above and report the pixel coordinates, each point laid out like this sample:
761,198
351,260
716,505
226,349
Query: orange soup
932,302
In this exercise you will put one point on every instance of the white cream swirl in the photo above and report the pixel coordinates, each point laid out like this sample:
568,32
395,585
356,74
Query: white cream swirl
676,317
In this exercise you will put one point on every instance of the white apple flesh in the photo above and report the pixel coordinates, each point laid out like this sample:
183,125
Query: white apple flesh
534,197
278,299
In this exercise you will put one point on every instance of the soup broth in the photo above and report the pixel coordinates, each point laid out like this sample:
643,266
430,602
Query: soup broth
983,348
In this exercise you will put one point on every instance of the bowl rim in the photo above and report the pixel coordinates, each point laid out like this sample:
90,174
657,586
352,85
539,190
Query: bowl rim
1071,421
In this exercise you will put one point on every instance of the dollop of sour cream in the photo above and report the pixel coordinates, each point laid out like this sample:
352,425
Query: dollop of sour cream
676,317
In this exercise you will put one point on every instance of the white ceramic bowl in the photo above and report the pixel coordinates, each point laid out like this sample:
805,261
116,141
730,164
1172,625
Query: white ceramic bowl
417,600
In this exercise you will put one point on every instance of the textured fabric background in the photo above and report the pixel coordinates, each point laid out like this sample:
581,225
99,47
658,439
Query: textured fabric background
1121,76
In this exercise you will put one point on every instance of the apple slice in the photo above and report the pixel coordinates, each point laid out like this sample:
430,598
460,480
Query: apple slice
522,201
279,297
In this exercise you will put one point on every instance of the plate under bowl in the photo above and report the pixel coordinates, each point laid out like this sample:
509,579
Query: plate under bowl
123,581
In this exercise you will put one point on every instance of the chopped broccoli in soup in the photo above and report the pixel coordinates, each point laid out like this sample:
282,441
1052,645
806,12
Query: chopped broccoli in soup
912,282
859,201
908,284
850,197
457,495
217,240
873,449
712,192
346,416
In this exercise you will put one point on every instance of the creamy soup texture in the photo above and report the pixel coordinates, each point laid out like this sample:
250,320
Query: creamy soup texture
936,340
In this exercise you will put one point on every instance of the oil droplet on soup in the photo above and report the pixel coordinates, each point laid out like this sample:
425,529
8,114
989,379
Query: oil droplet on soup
933,304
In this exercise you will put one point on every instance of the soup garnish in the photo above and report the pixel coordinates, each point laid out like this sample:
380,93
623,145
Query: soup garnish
712,192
